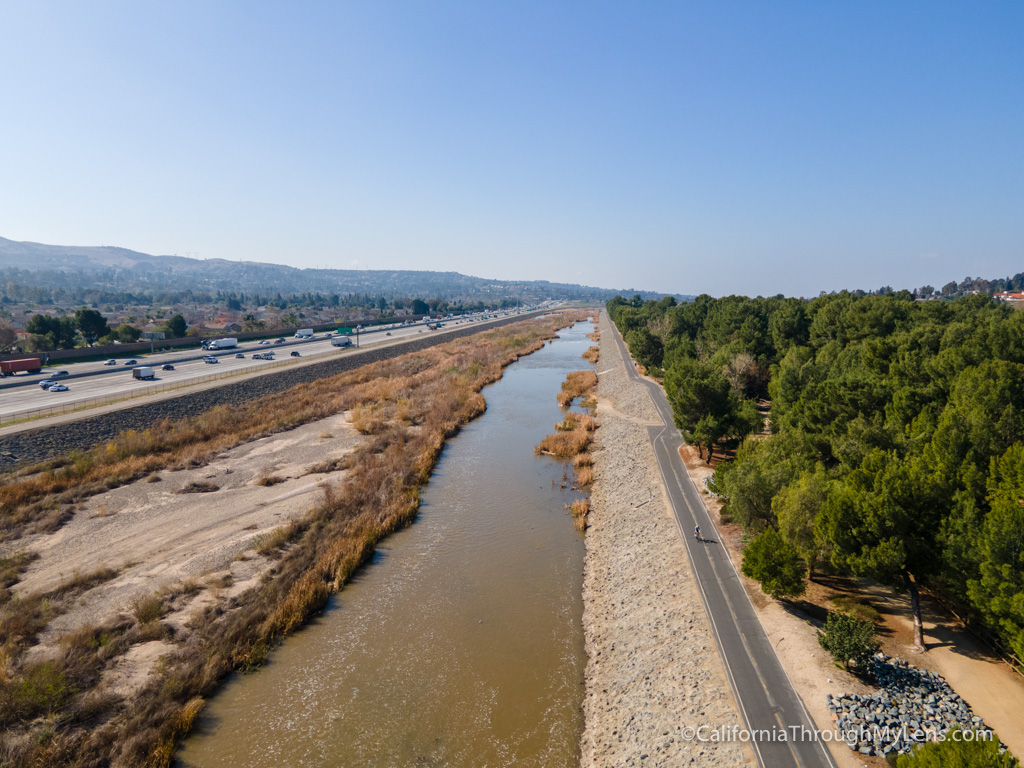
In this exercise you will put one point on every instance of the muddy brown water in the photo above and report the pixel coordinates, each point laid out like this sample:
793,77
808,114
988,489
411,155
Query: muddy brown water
461,644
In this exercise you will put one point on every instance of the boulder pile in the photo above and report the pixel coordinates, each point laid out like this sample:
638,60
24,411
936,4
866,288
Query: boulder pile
912,706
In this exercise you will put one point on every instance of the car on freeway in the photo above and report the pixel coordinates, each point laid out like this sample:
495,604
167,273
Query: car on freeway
279,341
166,367
261,342
240,355
209,359
59,375
295,353
131,362
388,333
59,388
111,361
47,383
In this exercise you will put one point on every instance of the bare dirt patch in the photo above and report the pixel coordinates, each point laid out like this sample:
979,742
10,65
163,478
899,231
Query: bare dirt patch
161,535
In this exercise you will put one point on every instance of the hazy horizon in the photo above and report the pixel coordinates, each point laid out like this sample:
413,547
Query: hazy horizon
729,148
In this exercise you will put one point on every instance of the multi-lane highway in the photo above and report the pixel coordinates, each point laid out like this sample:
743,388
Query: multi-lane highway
768,702
91,382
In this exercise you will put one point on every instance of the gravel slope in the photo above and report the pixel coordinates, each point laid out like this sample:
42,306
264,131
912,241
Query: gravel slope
653,667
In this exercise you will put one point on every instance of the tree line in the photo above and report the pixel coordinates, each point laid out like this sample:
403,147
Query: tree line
88,325
896,437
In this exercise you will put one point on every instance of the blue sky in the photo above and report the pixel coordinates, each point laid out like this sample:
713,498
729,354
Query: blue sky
719,147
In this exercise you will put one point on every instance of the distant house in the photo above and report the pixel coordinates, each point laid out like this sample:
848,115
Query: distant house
1008,296
220,327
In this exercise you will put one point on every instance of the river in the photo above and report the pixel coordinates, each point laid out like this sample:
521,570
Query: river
461,643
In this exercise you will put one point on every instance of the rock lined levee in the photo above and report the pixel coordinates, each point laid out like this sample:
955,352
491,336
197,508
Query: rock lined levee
653,666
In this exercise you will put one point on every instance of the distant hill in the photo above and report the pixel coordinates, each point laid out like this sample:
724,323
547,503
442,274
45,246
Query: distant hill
120,269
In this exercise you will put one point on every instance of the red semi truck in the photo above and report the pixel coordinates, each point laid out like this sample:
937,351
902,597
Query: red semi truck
30,364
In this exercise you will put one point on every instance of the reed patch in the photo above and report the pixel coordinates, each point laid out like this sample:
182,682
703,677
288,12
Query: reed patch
577,384
572,438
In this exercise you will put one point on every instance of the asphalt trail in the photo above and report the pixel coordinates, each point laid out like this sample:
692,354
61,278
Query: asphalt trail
767,700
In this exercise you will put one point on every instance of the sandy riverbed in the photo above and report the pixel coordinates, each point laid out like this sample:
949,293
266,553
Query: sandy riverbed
653,666
158,538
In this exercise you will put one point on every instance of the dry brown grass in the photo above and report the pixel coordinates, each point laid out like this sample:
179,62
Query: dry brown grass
416,401
199,487
592,355
147,609
80,582
572,438
367,418
564,445
272,541
575,420
267,478
330,465
580,509
585,476
10,571
576,384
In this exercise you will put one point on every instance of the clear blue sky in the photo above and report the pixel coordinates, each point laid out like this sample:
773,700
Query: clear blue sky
719,147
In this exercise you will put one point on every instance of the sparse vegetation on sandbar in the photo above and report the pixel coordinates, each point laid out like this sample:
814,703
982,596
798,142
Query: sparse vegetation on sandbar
572,437
592,355
52,711
576,384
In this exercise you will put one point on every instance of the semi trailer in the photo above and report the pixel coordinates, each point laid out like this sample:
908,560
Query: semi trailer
27,364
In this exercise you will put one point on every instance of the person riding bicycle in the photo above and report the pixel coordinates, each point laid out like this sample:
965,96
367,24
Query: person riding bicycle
696,533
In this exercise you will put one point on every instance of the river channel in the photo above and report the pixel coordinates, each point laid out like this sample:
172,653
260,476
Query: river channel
461,644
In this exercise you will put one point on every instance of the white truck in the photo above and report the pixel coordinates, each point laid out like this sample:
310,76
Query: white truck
304,333
143,372
220,344
341,341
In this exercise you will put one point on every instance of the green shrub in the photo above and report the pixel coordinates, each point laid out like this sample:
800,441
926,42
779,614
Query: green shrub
775,564
42,691
849,640
954,753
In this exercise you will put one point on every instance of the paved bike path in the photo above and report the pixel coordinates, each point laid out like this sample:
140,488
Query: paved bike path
766,697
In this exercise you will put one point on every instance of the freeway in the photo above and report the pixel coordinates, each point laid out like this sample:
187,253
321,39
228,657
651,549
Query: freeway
91,382
764,692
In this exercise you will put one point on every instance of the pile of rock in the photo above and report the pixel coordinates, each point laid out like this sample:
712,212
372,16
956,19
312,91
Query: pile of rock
914,705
